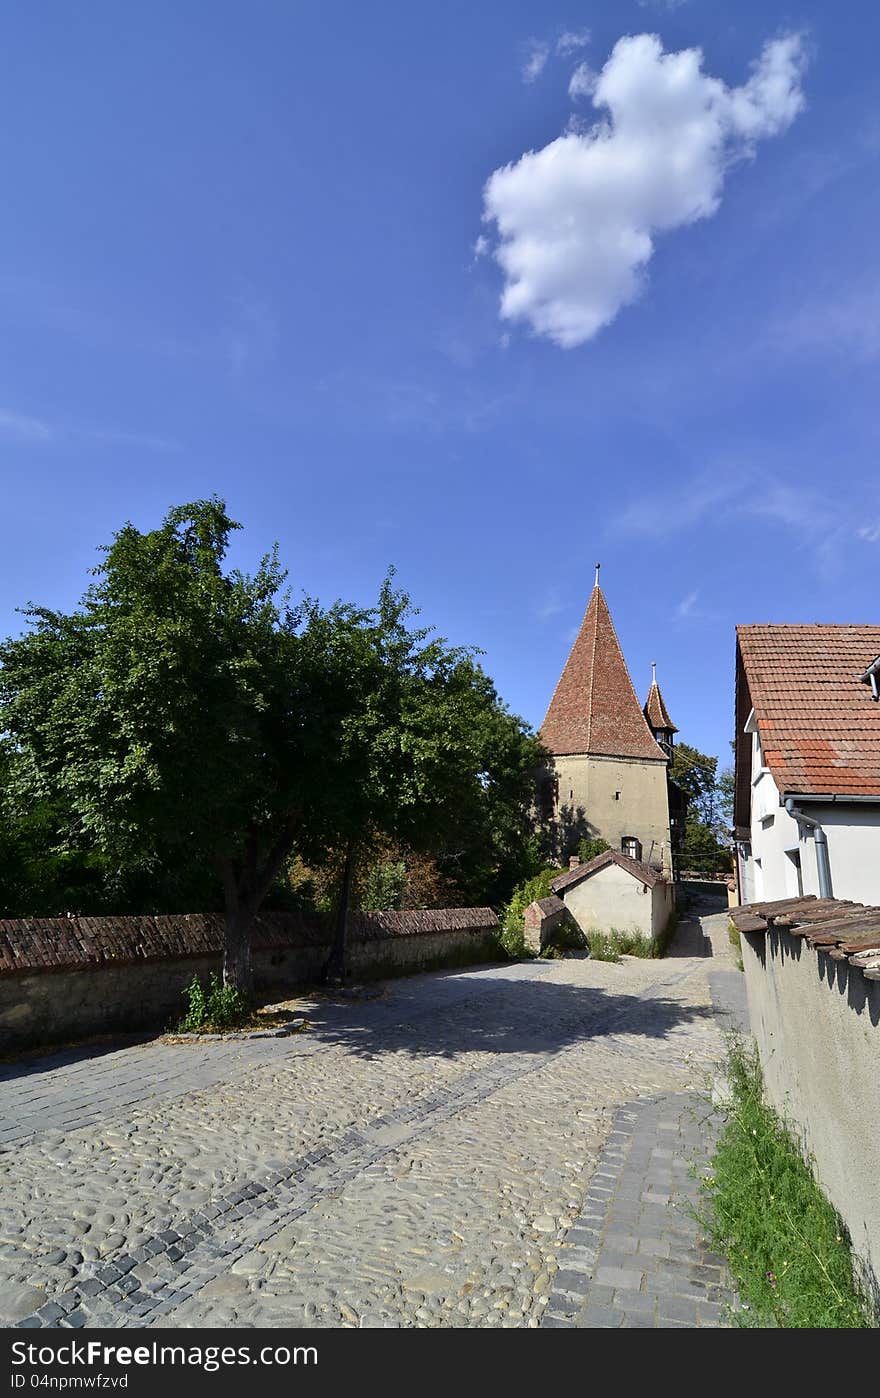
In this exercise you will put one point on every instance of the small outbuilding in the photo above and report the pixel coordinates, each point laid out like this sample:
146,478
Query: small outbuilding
615,891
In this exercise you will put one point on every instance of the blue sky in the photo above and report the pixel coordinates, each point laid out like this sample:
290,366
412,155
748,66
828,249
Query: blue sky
244,252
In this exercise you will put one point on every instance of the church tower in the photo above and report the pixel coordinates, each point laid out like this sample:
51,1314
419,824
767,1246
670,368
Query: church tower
608,777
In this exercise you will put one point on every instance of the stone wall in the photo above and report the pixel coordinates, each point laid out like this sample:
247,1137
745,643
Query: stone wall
65,978
621,797
816,1020
541,920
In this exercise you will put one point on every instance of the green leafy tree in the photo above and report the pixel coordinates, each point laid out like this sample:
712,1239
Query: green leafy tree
185,718
427,756
695,774
709,810
175,716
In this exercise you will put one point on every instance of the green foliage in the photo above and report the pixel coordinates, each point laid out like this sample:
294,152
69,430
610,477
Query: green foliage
567,937
726,792
383,886
220,1007
785,1244
610,946
512,917
709,811
175,739
589,849
695,774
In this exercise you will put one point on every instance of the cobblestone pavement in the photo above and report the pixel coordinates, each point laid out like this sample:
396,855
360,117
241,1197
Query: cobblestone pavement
432,1156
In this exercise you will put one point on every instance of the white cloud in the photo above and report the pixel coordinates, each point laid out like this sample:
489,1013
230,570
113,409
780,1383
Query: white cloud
20,428
576,220
583,82
550,606
870,533
687,604
34,431
537,53
571,41
662,4
843,318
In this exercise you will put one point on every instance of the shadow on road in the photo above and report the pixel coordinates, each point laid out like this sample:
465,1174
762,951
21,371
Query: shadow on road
538,1017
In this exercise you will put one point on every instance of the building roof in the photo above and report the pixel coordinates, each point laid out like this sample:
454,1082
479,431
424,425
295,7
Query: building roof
656,711
833,927
594,709
642,872
818,723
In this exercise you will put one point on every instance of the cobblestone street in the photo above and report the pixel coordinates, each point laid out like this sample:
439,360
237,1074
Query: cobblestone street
501,1147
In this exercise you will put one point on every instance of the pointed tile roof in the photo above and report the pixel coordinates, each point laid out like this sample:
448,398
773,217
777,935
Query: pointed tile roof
656,711
594,708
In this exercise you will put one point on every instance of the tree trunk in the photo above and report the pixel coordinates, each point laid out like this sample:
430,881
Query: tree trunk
337,966
237,967
244,893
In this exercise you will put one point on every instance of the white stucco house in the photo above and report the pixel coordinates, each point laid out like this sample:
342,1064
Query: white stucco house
807,802
614,891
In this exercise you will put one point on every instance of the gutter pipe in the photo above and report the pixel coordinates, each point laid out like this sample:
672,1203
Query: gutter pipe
823,864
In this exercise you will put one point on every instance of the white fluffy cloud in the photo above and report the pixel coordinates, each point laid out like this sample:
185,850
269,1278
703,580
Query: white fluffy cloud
582,82
537,53
576,220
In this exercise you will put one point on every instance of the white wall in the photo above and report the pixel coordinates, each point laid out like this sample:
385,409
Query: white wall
613,898
817,1025
853,834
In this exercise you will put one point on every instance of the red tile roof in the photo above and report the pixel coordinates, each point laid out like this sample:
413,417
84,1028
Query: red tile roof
832,927
594,708
817,721
643,872
656,711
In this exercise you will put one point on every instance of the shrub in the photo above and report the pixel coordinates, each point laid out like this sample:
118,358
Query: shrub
221,1007
588,849
785,1244
512,917
567,937
612,945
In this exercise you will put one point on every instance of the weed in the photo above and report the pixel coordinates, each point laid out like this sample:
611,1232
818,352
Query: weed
612,945
222,1007
786,1245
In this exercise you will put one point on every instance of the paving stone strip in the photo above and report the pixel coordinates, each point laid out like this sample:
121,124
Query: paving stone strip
636,1257
135,1288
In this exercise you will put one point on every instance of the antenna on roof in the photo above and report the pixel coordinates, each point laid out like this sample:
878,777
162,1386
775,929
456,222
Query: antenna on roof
598,566
653,671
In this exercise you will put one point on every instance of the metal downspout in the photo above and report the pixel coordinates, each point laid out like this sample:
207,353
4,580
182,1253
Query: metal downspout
823,864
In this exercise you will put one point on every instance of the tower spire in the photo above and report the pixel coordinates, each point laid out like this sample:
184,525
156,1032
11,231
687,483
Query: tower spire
653,671
598,566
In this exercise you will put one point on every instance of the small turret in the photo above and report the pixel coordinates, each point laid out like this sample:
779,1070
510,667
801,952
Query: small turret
657,715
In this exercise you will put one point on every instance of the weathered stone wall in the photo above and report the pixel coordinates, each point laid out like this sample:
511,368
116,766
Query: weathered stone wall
620,796
541,920
64,978
816,1021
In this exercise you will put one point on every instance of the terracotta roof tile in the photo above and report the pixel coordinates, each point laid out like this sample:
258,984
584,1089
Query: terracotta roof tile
825,924
643,872
818,722
594,708
656,711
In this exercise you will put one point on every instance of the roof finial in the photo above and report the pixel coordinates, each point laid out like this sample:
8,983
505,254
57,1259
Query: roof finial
653,671
598,566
